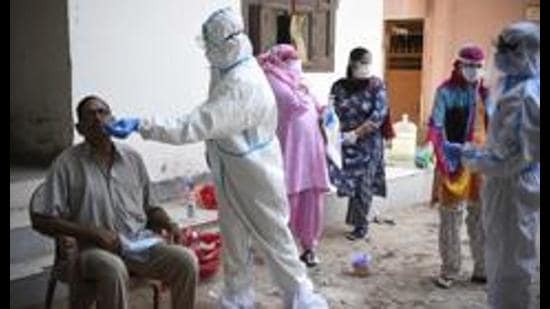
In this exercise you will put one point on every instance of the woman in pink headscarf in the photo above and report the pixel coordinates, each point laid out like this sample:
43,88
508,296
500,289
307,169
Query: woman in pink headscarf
302,145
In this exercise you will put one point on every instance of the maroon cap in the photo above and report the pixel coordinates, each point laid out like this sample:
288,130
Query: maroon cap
471,54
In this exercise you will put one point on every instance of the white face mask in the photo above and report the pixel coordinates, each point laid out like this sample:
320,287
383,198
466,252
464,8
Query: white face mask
295,66
471,74
361,71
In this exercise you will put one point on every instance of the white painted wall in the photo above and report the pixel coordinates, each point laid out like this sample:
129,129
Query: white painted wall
141,56
358,23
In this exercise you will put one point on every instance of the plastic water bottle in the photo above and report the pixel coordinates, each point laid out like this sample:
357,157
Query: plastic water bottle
404,143
187,197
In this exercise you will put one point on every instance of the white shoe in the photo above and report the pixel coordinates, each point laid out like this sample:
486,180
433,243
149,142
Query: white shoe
307,299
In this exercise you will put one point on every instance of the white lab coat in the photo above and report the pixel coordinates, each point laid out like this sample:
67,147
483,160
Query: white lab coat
238,122
510,161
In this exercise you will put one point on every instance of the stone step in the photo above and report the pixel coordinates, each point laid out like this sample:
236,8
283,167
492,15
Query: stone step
23,181
19,218
30,267
28,245
30,291
405,187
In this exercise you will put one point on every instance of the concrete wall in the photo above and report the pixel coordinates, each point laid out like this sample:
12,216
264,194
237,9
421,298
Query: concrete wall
450,24
358,23
460,22
141,56
404,9
40,95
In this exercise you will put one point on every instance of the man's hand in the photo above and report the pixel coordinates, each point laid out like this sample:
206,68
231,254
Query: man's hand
160,222
106,239
174,232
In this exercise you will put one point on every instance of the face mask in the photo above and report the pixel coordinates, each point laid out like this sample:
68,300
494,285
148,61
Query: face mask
510,64
295,66
361,71
471,74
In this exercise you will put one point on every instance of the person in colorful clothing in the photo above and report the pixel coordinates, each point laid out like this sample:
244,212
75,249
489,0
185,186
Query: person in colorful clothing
458,116
302,146
360,103
511,162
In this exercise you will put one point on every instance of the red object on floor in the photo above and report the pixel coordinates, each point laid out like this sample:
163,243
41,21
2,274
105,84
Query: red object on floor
206,196
207,248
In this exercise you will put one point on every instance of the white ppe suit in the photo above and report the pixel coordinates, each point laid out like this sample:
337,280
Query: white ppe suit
510,161
238,122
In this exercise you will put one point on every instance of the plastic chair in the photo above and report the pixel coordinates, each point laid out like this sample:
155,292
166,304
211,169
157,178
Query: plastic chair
66,255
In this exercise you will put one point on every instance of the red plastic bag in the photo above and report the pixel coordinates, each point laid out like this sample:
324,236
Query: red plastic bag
207,248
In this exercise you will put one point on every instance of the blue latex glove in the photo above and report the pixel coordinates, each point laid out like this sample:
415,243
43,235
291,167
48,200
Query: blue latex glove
470,152
123,127
453,153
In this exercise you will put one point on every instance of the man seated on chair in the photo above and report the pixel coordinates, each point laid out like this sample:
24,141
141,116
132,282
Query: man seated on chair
99,193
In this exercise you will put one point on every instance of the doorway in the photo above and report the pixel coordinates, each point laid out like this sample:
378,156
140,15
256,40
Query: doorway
403,44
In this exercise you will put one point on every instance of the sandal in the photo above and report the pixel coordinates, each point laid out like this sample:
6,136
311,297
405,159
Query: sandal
357,233
309,258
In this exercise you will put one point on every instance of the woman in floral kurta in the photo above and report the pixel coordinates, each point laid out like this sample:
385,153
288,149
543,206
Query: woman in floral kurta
360,103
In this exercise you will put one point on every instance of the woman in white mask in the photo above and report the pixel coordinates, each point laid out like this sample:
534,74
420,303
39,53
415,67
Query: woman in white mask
361,105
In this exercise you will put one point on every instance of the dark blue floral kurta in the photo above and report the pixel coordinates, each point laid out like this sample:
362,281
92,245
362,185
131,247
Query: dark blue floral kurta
363,172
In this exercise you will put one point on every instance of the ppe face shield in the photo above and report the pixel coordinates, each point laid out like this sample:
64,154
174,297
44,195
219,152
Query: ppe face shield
224,54
493,80
517,50
224,41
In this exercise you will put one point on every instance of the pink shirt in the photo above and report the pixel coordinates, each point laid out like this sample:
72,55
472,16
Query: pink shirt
300,138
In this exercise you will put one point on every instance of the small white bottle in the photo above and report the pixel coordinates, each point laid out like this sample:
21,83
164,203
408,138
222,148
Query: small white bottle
187,197
190,209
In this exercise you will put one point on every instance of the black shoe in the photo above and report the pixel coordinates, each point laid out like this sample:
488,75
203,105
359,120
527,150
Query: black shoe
478,279
357,233
309,258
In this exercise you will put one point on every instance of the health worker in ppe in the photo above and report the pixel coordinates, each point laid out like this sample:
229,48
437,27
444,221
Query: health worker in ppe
511,162
238,121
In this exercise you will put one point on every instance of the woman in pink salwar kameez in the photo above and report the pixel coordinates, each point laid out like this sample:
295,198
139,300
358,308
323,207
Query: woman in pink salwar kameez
302,144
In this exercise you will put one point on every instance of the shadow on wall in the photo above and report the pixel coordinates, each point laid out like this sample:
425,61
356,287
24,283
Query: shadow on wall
41,124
